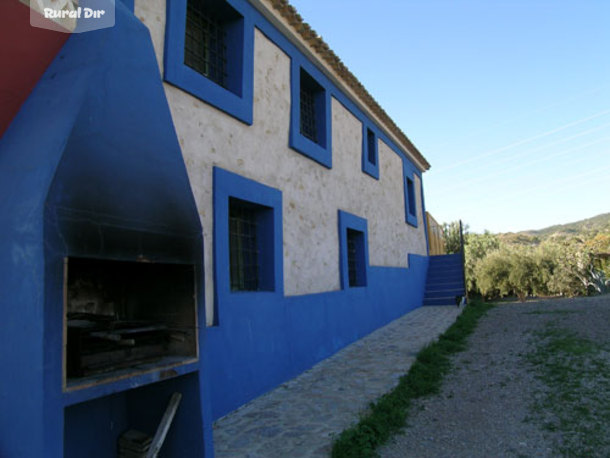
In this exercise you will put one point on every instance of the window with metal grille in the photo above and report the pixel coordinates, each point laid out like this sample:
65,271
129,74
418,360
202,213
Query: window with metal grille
311,95
209,53
353,250
356,260
244,255
205,42
310,117
308,114
352,257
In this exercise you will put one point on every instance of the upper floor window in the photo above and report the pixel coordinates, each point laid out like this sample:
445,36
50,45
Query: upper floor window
370,154
411,208
411,196
311,113
209,53
310,129
205,42
372,146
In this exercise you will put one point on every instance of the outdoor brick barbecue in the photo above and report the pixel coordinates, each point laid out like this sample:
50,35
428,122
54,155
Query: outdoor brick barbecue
105,257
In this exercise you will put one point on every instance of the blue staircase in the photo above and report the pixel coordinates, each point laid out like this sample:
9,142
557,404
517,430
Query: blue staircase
445,281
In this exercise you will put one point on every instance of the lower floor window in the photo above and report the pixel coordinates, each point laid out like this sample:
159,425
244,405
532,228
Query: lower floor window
244,251
352,257
355,258
248,255
353,250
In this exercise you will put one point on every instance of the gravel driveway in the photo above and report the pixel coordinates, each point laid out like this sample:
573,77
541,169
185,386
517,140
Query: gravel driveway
495,403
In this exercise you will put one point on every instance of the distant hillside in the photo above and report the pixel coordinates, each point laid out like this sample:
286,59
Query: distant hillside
586,228
599,223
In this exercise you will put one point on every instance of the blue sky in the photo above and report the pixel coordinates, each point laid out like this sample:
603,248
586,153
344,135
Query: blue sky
508,100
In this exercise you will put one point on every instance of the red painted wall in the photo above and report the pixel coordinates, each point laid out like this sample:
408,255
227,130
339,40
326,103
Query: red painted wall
25,53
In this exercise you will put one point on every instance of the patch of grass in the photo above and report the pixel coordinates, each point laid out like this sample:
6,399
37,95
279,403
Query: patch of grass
388,414
576,402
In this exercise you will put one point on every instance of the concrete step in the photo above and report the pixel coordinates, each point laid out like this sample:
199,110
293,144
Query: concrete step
445,257
446,273
441,301
439,261
439,276
450,284
443,293
440,265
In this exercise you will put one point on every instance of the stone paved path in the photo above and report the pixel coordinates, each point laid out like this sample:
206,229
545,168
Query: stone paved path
300,417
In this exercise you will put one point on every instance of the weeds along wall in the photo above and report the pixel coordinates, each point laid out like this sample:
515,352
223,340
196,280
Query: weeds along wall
244,143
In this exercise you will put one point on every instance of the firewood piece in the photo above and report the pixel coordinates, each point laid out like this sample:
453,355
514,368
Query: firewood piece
163,428
134,444
106,335
137,330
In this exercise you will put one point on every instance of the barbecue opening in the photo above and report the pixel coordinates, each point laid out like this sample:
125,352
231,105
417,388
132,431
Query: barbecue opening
125,317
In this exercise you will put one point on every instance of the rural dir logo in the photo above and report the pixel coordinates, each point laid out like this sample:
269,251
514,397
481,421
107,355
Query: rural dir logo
72,16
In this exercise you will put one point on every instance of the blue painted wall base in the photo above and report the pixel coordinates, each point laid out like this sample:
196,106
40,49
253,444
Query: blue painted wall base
263,340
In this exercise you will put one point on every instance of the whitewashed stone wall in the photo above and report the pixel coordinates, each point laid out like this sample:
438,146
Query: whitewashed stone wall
312,194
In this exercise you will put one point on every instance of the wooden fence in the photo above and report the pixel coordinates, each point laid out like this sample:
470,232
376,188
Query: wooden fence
436,240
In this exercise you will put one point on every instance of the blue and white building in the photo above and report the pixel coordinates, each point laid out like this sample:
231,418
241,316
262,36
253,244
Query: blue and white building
200,199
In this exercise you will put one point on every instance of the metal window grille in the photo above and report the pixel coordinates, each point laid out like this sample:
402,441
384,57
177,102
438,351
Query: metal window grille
204,43
352,257
243,248
308,113
370,137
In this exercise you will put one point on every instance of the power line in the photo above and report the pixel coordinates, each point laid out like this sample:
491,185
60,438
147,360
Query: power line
526,140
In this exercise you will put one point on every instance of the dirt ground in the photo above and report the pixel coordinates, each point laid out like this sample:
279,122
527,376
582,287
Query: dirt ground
496,402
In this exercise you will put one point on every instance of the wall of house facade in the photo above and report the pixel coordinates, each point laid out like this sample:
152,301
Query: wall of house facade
256,340
133,168
312,193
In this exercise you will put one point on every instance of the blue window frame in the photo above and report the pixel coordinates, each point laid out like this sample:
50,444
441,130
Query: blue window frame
353,250
209,48
370,154
248,256
310,125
